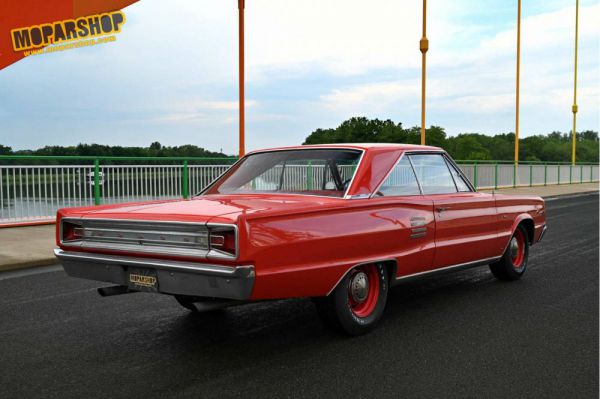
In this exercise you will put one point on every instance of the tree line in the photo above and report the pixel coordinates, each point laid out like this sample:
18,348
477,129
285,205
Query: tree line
97,150
552,147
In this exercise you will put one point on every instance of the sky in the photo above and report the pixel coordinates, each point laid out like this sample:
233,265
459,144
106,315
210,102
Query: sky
171,75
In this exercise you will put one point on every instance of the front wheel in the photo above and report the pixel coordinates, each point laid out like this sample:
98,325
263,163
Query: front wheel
513,263
356,304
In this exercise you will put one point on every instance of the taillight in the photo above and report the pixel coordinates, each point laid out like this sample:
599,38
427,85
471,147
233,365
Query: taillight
71,231
222,240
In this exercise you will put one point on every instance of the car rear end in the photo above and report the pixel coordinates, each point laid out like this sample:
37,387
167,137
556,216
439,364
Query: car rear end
170,257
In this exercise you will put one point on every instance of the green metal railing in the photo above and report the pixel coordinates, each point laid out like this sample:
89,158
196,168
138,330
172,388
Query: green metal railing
502,174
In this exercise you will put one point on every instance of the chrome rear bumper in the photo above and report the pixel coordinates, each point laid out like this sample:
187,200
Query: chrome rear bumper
174,277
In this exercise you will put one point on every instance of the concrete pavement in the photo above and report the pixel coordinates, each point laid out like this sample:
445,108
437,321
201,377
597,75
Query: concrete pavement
22,247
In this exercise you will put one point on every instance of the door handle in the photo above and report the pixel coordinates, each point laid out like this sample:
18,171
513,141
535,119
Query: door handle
441,209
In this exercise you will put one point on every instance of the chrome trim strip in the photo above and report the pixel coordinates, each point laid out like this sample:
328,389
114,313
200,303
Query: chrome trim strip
359,196
374,192
460,172
199,268
409,152
129,248
412,166
216,254
220,176
460,266
182,251
358,165
285,194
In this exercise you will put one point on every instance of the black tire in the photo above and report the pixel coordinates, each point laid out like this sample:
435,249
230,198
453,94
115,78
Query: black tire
342,312
513,263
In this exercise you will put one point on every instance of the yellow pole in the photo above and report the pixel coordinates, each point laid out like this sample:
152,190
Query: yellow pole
518,76
574,109
423,46
241,76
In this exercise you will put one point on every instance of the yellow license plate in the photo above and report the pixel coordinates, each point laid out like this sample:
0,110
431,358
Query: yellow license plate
142,280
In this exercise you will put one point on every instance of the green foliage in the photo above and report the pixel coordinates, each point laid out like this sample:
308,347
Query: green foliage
554,147
98,150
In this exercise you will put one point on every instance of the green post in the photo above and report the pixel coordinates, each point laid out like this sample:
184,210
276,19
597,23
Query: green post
96,181
309,176
515,174
475,176
558,175
580,173
530,175
545,174
591,173
184,180
571,174
496,176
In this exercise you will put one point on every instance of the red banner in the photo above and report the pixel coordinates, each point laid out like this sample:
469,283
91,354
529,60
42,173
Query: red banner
17,14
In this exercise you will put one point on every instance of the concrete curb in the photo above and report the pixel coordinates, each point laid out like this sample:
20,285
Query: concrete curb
29,264
571,195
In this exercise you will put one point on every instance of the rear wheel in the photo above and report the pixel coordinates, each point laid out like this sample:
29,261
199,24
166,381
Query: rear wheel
513,263
356,304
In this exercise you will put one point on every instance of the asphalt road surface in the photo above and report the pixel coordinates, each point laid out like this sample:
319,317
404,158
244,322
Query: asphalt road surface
460,335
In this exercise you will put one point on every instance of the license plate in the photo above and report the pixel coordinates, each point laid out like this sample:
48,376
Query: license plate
142,280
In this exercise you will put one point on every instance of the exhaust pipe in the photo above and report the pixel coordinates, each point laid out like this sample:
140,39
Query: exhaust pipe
115,290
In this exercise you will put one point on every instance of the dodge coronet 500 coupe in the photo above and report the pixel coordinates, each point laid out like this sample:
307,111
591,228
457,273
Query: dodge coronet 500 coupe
337,223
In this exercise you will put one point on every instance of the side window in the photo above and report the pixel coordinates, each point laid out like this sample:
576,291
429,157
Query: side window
401,181
433,174
461,185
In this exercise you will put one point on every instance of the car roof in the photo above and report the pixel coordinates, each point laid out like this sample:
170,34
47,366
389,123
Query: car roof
358,146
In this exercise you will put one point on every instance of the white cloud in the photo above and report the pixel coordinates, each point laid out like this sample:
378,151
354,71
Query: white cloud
373,96
481,80
201,111
339,36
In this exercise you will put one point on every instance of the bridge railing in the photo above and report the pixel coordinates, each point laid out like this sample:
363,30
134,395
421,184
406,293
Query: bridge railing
500,174
32,188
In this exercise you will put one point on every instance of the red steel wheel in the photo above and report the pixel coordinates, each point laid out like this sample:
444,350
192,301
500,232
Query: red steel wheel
363,290
517,249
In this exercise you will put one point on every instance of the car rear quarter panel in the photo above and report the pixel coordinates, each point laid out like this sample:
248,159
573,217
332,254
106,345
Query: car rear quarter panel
513,210
307,254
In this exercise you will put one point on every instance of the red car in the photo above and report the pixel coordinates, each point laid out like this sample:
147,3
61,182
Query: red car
337,223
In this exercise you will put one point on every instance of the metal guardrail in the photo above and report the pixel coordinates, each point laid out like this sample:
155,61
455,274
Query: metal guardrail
33,193
496,174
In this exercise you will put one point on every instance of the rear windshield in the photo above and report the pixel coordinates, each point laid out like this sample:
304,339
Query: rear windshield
327,172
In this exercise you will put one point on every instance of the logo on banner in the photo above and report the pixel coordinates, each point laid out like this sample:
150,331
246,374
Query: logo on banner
68,34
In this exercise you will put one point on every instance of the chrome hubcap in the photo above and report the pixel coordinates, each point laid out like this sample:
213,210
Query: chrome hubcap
514,247
359,287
